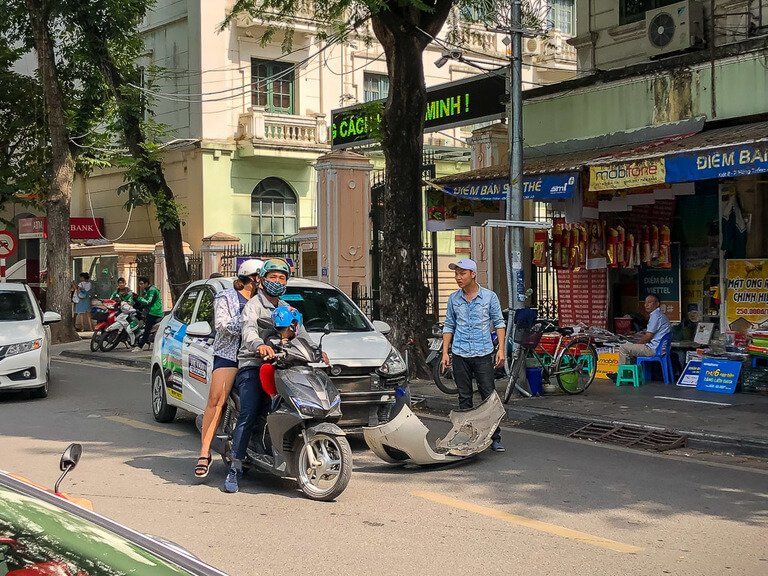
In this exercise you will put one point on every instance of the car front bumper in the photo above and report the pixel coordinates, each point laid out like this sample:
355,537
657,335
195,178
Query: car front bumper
12,369
366,401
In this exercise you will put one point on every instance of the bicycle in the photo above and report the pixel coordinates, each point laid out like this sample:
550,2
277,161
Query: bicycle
573,363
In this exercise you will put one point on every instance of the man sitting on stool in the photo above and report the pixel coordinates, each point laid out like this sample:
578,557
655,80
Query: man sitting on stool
648,342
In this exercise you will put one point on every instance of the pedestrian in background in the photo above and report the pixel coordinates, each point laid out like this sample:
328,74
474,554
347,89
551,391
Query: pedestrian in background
473,313
81,298
149,298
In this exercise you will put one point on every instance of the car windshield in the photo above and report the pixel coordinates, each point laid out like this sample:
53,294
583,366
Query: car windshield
15,306
37,537
322,306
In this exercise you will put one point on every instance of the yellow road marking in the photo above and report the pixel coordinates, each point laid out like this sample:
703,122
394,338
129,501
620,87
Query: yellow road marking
529,523
145,426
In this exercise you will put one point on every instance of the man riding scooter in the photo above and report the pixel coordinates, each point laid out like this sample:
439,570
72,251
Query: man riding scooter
254,349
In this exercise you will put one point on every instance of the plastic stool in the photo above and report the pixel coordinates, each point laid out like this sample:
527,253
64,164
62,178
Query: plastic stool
630,374
588,361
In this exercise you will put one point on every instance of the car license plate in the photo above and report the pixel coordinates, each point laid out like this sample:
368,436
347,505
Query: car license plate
435,344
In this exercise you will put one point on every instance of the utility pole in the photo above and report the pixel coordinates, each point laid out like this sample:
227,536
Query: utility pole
513,240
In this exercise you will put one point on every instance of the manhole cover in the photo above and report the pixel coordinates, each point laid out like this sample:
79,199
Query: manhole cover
630,436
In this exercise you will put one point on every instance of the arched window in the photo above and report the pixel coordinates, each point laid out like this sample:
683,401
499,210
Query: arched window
274,212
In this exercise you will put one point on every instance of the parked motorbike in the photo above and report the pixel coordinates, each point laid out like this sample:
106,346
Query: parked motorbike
105,315
444,378
126,328
301,439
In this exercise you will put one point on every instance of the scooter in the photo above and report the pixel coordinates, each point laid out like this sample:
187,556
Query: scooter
126,328
301,439
105,314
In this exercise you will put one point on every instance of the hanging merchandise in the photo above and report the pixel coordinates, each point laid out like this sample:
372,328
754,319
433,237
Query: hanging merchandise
540,238
574,260
620,246
646,252
557,245
582,245
596,241
566,250
654,243
613,245
665,258
629,252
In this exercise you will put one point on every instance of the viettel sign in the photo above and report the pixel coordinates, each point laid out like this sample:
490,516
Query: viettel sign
79,228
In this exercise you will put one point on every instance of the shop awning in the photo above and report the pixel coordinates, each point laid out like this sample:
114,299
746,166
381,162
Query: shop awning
717,153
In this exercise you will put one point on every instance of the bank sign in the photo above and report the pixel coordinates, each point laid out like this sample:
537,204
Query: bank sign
469,101
718,163
544,187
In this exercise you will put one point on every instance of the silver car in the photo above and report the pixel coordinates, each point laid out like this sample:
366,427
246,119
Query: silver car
366,368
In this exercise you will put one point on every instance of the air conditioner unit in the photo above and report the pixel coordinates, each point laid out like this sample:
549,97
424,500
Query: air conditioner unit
531,46
674,28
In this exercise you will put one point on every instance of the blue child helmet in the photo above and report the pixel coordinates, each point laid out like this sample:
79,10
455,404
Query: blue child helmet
284,316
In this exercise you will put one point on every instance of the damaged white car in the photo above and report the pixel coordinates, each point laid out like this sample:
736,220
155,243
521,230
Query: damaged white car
406,440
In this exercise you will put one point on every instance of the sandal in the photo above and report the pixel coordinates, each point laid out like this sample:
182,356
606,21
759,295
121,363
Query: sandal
201,470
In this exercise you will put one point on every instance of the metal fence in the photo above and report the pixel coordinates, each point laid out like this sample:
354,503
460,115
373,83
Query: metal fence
195,267
545,278
285,248
145,265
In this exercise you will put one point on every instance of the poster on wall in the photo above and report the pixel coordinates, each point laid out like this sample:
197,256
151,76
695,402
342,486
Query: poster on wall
696,263
665,284
746,294
582,296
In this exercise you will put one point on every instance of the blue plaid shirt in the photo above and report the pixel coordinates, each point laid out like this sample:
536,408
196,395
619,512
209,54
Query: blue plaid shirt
471,323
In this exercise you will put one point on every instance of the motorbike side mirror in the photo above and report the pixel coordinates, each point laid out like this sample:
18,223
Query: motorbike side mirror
69,460
328,328
200,329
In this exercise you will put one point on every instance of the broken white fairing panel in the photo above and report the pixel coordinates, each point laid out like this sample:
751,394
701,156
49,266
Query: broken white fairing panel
405,439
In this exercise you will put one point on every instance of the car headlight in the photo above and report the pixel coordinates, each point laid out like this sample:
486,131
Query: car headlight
394,365
22,347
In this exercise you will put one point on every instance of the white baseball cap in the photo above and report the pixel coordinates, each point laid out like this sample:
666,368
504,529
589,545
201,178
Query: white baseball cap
464,264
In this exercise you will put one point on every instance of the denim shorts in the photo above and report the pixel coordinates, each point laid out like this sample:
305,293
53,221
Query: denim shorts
219,362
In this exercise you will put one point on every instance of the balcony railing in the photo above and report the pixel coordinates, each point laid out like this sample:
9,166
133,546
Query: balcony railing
260,127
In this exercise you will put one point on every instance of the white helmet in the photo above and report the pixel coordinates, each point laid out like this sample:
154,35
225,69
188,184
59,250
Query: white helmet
250,267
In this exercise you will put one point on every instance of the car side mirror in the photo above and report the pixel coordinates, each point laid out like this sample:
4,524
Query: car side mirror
382,327
51,318
200,329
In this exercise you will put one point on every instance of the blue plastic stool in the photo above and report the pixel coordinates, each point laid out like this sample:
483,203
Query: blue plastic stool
663,357
629,374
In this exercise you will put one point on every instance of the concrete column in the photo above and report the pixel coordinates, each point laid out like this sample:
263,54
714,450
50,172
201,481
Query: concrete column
489,146
343,219
161,274
212,249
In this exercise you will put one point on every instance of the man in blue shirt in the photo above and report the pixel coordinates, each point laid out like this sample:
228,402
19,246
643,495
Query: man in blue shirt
648,342
473,313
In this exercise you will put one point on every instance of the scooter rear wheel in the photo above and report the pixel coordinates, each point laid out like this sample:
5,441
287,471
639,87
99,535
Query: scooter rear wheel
326,479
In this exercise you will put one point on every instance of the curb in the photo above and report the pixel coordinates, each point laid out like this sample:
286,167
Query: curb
715,442
132,362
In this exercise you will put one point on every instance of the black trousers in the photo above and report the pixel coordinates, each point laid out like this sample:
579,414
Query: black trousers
149,322
480,368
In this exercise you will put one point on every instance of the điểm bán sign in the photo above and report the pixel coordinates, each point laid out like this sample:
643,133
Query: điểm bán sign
459,103
726,162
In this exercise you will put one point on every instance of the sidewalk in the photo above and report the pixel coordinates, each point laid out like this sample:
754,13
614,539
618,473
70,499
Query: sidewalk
120,355
737,422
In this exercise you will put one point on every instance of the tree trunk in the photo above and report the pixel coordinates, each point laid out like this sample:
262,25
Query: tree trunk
58,261
403,292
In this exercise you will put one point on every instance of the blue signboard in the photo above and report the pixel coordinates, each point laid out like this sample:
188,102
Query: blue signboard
544,187
726,162
718,375
690,376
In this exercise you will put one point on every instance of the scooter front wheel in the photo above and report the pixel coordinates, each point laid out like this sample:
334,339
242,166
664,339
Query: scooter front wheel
96,340
110,339
323,466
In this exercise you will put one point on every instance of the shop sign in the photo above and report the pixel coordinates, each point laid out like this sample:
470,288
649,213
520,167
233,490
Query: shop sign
718,375
447,212
725,162
664,283
690,376
621,175
79,228
607,363
746,294
543,187
467,101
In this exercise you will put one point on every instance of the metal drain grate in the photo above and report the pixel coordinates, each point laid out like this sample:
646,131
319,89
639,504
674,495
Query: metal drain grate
630,436
562,426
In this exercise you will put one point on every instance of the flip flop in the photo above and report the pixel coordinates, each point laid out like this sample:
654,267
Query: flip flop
201,470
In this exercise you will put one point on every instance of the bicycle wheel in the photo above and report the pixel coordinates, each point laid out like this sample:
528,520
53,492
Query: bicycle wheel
517,376
576,367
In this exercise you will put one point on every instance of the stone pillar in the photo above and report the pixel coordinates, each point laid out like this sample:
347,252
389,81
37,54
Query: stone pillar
126,268
161,274
490,146
343,219
212,249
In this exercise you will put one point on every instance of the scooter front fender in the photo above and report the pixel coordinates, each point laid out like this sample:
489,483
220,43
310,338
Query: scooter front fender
325,428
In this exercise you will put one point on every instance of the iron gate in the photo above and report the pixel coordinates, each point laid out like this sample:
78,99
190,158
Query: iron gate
545,278
285,248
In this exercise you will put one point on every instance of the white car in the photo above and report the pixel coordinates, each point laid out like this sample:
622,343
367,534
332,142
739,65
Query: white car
366,368
25,341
